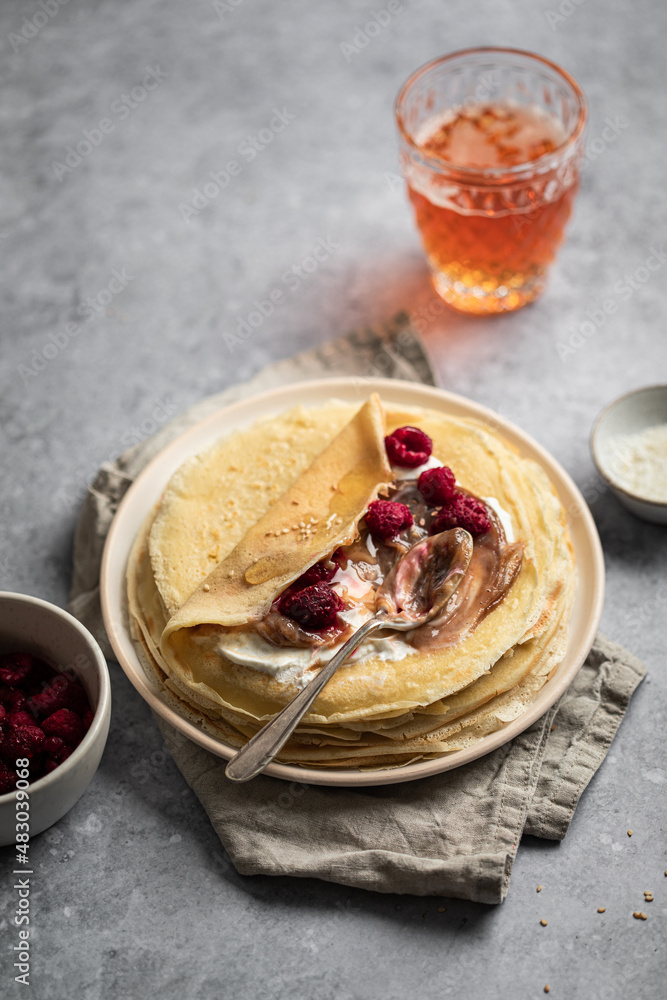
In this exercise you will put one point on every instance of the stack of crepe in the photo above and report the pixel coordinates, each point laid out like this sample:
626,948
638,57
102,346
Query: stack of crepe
240,522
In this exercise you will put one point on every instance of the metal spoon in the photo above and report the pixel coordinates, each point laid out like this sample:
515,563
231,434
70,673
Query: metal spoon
416,589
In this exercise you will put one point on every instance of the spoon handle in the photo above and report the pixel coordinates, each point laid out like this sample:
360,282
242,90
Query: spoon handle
262,748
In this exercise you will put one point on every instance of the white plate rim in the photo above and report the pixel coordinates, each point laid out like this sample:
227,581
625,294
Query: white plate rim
154,477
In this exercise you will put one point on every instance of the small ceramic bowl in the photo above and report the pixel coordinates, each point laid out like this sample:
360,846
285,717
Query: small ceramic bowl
30,625
629,414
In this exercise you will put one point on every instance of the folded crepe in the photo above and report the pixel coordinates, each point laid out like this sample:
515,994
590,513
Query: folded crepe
240,522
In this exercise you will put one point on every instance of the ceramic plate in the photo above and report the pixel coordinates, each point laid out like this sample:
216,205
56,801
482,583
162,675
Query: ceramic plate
146,491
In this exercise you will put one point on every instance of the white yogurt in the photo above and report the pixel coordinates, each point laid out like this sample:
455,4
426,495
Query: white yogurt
289,664
503,517
401,472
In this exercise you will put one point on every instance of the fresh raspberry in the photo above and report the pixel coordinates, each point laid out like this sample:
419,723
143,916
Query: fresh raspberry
15,668
51,762
319,573
3,711
17,702
63,692
30,737
55,746
7,779
386,519
408,446
65,724
87,719
20,741
463,512
314,608
437,486
22,718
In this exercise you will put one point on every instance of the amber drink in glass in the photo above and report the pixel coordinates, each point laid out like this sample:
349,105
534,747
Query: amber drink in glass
491,143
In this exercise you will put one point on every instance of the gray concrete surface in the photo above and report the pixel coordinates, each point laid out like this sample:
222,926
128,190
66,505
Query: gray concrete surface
133,896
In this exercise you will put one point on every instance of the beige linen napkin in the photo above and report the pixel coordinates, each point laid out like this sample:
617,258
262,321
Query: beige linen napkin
455,834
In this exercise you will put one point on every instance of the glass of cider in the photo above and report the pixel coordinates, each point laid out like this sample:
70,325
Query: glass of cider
491,142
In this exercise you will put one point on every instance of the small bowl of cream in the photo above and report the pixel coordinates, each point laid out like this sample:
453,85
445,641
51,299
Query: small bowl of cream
629,445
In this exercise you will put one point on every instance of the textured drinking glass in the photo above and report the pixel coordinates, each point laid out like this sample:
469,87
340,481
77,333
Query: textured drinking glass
490,143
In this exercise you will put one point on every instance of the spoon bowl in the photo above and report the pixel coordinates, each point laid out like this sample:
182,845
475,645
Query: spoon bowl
422,581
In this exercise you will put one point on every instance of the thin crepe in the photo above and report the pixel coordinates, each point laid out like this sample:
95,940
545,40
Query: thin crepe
319,512
373,709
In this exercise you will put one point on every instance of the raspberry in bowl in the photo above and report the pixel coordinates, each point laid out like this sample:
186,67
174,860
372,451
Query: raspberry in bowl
55,706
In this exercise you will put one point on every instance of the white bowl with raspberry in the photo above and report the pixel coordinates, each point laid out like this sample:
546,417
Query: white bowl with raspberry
55,707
